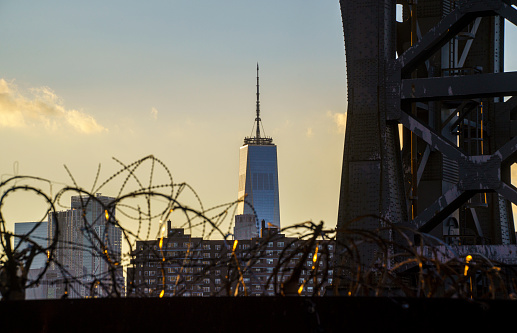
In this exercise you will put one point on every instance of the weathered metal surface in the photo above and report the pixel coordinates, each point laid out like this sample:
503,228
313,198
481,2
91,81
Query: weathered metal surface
459,87
449,26
372,180
497,254
446,89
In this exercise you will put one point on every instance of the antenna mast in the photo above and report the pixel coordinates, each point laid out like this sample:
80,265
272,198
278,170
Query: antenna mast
257,119
258,139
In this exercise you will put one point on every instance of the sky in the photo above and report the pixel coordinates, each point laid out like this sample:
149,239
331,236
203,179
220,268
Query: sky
82,83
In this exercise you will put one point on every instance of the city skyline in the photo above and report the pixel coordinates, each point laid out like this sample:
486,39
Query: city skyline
177,82
82,83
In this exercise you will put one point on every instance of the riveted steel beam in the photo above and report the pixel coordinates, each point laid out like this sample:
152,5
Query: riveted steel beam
433,139
441,208
509,192
447,28
459,87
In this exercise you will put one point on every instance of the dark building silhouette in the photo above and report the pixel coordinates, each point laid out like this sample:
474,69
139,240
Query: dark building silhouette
191,266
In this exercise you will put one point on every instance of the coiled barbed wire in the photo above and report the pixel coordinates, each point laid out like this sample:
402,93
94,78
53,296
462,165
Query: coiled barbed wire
312,260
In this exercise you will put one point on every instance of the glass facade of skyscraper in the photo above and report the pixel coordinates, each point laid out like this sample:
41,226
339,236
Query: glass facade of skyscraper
37,233
258,183
89,245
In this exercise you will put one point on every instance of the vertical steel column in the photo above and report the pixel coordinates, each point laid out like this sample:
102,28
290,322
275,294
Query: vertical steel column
372,187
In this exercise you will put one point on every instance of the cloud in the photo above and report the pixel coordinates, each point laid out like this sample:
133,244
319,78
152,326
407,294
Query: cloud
154,113
339,119
43,108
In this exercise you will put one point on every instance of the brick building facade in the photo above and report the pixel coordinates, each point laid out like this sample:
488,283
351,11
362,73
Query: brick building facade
273,264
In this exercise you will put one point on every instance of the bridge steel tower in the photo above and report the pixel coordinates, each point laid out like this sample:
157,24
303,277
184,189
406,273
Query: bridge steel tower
439,73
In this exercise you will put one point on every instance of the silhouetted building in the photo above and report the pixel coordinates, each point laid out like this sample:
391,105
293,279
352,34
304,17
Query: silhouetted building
258,182
86,262
191,266
102,240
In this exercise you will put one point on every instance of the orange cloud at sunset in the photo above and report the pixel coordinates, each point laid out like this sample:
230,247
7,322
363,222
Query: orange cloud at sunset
42,109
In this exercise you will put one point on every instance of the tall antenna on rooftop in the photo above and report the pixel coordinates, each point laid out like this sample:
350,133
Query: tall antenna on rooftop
258,106
258,139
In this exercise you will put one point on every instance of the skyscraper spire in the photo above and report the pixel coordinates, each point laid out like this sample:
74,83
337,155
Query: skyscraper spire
257,119
258,181
258,139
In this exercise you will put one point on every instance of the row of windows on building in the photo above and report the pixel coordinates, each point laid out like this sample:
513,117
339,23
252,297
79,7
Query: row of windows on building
180,265
218,247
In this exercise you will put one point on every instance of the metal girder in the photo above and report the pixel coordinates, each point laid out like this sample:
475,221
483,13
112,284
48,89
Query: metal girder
509,192
433,139
449,26
478,173
441,208
459,87
464,110
423,163
468,44
508,150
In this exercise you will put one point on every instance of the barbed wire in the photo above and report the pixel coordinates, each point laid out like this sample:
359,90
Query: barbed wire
312,260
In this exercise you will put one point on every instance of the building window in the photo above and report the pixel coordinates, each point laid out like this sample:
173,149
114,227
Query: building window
270,244
280,244
206,289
